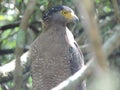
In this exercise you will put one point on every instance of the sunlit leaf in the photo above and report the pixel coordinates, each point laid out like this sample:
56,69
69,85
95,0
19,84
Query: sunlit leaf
0,88
6,33
107,9
97,1
9,17
2,17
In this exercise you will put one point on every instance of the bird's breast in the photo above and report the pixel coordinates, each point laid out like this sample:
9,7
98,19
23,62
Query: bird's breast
53,53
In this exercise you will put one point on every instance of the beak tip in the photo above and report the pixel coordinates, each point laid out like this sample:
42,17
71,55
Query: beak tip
75,19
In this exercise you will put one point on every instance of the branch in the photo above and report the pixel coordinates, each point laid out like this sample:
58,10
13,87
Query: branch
113,42
116,8
20,43
14,25
8,26
7,70
9,51
90,25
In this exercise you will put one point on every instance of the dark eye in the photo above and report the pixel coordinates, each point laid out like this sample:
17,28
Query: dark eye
64,12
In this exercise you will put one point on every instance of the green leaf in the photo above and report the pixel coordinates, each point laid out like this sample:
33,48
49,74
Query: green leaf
0,88
2,17
97,1
107,9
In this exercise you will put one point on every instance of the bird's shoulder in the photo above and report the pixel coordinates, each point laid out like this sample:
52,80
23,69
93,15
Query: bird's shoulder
75,55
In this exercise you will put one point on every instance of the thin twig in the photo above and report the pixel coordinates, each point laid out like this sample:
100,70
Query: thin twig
21,43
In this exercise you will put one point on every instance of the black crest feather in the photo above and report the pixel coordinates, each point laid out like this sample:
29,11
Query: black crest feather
51,11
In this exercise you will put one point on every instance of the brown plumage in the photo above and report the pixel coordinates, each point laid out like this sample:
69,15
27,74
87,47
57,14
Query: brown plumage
55,55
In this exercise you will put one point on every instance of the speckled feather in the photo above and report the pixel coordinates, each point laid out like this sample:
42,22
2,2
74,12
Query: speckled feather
55,56
52,11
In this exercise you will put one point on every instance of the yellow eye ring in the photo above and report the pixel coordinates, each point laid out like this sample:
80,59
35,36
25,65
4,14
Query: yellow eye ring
64,12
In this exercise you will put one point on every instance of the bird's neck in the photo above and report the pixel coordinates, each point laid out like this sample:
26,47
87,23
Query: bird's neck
54,24
56,29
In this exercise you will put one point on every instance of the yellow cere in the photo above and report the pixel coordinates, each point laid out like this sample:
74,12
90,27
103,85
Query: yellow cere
67,14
